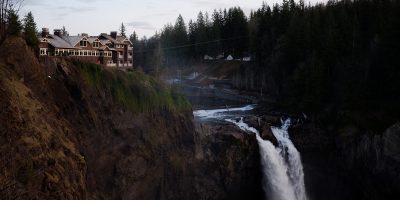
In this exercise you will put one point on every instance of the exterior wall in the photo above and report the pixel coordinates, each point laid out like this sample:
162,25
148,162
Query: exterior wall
120,56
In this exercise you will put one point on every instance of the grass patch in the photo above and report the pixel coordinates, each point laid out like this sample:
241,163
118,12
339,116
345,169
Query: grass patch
134,90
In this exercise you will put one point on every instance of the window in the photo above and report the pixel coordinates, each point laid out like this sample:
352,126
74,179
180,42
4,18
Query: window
43,51
83,43
96,44
80,53
85,53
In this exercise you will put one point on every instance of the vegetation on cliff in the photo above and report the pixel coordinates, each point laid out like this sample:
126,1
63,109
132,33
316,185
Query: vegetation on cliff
79,131
133,89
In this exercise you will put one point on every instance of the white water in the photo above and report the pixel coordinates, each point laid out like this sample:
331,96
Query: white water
283,177
220,113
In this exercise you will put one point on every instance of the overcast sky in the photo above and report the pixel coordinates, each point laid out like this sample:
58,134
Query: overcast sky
143,16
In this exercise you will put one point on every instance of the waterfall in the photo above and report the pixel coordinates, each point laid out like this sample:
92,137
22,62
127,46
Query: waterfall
283,177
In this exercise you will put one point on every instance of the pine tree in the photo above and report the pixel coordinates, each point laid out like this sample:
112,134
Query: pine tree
14,25
30,30
133,38
123,30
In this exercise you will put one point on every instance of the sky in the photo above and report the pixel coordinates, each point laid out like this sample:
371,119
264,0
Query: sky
144,17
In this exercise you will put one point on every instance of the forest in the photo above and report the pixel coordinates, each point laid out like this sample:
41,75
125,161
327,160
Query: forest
342,55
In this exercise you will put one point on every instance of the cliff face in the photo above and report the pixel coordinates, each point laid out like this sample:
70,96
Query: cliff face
359,164
64,139
39,157
228,162
374,162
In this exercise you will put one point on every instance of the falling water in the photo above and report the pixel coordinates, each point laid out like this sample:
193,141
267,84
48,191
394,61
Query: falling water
282,168
283,177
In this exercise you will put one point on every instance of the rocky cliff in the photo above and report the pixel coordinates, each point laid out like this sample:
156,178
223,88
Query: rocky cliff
68,135
349,162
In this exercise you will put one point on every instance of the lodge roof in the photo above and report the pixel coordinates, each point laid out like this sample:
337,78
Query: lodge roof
59,42
69,42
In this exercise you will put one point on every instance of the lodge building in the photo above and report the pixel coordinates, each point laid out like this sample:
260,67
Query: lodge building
110,50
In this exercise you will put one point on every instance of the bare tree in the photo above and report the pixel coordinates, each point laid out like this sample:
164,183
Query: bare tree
6,7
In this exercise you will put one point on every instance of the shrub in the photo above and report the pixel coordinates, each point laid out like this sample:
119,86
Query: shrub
132,89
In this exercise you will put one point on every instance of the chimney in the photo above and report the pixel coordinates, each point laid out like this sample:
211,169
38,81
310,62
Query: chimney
45,32
114,34
85,34
58,32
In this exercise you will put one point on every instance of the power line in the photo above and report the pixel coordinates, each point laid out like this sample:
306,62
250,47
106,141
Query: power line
195,44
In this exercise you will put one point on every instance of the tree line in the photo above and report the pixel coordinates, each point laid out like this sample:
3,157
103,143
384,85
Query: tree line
342,53
11,25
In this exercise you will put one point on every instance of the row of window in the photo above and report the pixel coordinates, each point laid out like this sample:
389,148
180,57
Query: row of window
119,46
84,43
71,52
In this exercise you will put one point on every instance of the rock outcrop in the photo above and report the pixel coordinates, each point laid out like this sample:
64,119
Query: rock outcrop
64,139
374,162
228,162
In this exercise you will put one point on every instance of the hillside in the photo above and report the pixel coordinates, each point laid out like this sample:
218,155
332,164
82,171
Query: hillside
73,130
60,132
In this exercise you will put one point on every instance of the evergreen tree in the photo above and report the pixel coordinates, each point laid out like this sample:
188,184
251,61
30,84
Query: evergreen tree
122,29
134,38
14,25
30,30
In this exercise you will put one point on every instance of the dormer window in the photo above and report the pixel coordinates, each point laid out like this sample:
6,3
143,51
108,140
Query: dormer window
96,44
83,43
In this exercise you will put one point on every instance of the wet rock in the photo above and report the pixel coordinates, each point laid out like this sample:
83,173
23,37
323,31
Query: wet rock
266,134
227,162
253,121
271,120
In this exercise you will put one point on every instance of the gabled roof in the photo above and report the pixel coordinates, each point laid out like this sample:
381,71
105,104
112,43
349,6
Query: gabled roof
93,39
41,39
104,47
69,42
123,39
59,42
105,41
73,40
108,37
